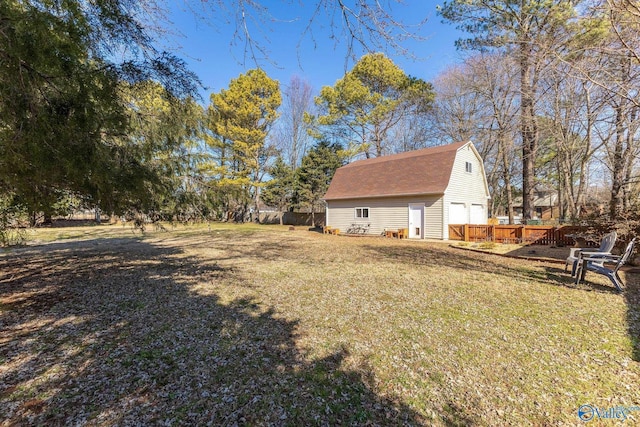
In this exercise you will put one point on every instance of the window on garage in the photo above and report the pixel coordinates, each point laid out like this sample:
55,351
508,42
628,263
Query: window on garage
362,213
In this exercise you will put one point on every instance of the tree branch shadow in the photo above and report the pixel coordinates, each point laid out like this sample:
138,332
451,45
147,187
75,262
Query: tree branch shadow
119,332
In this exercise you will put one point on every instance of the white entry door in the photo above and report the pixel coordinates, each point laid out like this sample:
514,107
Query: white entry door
416,221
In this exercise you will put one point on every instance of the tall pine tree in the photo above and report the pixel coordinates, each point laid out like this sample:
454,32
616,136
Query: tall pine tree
240,118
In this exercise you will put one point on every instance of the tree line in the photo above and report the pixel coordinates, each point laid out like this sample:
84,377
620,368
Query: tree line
94,115
550,91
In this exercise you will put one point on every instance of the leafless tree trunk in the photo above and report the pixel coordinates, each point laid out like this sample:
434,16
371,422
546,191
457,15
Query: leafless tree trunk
506,176
617,165
291,135
528,127
625,141
569,118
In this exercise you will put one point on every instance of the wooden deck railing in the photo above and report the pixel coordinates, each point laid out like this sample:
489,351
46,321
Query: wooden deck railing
533,234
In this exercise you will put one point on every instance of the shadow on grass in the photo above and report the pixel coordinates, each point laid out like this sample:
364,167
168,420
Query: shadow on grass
118,332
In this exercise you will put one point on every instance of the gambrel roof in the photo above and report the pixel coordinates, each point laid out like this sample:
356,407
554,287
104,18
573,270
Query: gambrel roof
418,172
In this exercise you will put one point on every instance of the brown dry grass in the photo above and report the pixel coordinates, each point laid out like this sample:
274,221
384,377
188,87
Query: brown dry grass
262,326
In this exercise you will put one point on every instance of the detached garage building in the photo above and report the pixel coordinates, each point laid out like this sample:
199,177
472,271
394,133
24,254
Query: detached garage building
423,191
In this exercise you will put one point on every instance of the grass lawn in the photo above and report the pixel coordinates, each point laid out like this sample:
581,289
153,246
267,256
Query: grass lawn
258,325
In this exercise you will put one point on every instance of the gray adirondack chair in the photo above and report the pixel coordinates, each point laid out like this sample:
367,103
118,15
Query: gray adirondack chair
606,245
596,263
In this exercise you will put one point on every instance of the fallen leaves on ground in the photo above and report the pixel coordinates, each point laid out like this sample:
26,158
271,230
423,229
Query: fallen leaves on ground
254,325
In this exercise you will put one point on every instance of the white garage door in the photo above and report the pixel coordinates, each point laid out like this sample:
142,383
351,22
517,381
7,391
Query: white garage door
478,216
457,213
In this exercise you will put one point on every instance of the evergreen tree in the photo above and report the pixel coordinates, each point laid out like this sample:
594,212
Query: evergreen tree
278,192
240,118
163,128
315,173
62,118
366,104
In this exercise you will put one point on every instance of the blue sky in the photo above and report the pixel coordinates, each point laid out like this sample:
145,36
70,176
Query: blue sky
205,42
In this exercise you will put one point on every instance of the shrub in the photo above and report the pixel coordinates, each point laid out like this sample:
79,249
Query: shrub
487,245
627,227
13,222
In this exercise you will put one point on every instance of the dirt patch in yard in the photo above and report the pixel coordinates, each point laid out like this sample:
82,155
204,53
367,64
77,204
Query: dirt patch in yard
549,253
553,254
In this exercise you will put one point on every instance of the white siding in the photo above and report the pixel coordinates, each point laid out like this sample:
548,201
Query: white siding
465,187
433,218
390,213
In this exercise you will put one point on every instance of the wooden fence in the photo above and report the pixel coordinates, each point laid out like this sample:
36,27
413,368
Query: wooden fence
292,218
532,234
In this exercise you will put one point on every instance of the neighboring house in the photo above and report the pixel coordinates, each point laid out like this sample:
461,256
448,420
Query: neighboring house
545,203
423,191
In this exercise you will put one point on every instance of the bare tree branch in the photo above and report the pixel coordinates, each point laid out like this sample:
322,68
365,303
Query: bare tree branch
360,25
